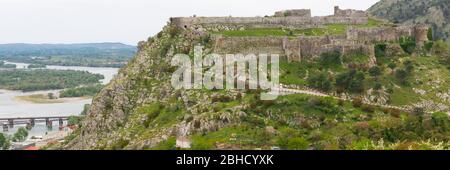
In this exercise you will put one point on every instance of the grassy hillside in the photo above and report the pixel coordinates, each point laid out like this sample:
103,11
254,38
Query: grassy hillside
140,110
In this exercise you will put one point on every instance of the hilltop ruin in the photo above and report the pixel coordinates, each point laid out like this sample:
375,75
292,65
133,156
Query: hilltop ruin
301,47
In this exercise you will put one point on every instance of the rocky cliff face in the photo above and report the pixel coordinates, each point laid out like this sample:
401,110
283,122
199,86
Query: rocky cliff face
432,12
139,108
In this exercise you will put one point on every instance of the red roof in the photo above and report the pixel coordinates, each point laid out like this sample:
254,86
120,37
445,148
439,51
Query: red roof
32,148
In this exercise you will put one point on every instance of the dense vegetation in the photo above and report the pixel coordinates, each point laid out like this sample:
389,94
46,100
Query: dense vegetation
94,55
43,79
305,122
396,79
90,90
20,136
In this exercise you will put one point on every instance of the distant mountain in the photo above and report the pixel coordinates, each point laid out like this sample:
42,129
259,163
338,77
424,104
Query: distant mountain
85,49
432,12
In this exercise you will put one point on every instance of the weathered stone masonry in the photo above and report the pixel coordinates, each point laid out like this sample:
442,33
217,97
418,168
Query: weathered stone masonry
302,47
298,18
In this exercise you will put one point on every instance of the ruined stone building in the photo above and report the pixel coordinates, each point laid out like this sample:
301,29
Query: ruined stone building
301,47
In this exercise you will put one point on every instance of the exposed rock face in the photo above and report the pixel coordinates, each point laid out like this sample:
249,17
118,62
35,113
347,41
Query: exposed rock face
431,12
115,120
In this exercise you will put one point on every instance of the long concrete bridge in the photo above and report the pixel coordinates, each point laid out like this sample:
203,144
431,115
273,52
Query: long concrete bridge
31,121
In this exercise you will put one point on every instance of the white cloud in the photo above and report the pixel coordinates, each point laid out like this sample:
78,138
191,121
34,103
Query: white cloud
129,21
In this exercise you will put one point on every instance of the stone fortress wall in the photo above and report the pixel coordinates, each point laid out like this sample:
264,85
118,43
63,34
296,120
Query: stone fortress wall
298,18
301,47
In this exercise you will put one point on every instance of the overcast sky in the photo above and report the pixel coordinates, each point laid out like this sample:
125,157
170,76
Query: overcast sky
130,21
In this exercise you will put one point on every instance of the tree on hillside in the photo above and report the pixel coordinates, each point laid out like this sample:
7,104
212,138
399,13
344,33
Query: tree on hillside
320,81
392,66
442,49
375,71
352,81
330,59
409,66
402,75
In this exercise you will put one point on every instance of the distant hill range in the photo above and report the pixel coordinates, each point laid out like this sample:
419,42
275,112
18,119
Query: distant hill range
84,49
87,54
432,12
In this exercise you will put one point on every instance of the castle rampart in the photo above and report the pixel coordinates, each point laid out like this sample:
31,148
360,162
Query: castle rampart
348,12
294,12
302,47
388,34
307,47
296,18
233,23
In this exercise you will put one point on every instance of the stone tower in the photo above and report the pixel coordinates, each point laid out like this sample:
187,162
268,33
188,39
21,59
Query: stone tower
336,10
421,35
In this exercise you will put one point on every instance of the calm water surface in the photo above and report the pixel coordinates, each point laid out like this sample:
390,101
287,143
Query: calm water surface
11,107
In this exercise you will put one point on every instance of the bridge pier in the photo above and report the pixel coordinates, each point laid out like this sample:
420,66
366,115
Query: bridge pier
48,123
32,121
11,123
29,126
5,127
61,122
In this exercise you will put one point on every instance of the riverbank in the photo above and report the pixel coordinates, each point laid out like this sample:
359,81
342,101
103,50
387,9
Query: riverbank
10,106
45,99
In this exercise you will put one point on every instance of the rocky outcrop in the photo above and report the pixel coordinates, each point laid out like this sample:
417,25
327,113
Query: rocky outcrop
116,119
433,13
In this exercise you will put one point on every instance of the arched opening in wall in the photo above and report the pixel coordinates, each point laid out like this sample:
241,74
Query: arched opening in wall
185,26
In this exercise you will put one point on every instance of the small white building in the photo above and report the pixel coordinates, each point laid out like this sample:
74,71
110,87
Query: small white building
183,142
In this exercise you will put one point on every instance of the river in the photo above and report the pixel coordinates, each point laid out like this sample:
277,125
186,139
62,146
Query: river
10,106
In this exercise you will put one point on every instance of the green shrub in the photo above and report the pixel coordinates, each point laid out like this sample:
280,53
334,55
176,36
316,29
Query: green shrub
375,71
297,143
429,45
4,142
368,108
120,144
352,81
380,50
320,81
440,119
330,59
402,76
151,111
168,144
20,135
357,102
201,144
408,44
377,86
430,34
173,31
74,120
